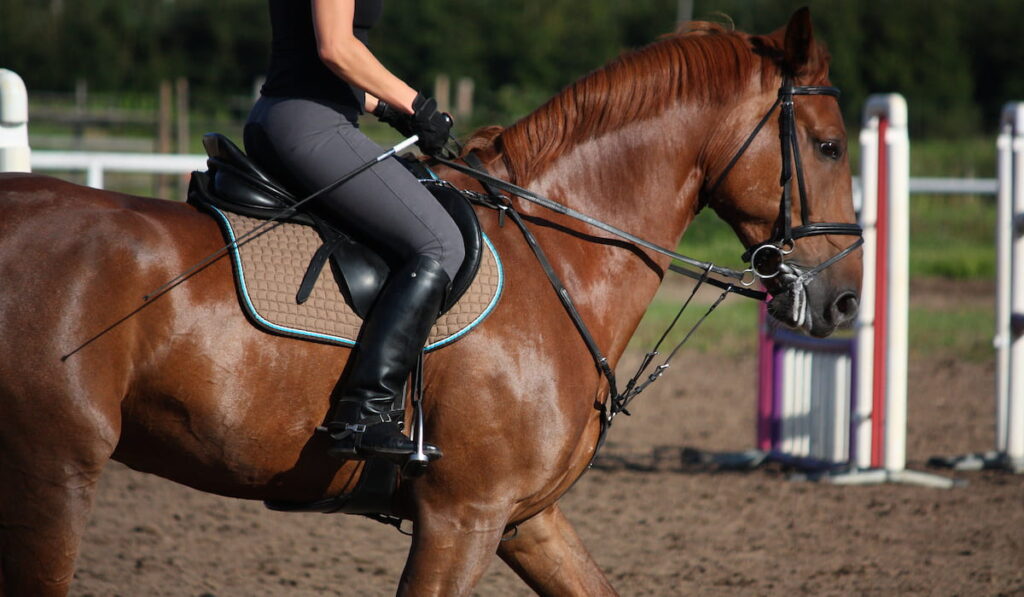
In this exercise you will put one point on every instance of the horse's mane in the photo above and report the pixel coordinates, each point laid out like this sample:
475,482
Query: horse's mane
705,63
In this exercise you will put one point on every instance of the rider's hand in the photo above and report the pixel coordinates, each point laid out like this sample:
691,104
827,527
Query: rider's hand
431,126
396,119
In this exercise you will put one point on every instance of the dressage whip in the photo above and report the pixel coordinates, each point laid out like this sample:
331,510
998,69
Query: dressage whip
262,228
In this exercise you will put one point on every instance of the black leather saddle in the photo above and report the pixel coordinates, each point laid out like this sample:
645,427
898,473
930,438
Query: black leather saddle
235,183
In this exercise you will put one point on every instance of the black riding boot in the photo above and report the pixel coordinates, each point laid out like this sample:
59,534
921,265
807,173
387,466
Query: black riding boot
392,336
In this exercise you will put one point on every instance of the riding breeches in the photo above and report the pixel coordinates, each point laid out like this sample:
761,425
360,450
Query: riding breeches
312,143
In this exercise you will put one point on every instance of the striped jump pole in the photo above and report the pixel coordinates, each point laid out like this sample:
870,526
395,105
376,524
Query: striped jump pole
1009,338
839,405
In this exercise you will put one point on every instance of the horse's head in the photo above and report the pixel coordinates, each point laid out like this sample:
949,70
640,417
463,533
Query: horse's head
802,239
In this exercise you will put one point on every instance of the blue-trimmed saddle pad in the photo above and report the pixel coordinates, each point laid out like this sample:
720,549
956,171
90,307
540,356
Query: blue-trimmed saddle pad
269,268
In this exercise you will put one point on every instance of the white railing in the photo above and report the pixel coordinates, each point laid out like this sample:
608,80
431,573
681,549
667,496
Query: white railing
95,164
953,186
882,322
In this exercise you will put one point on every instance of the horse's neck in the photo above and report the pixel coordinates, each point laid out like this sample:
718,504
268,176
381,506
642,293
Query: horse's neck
644,179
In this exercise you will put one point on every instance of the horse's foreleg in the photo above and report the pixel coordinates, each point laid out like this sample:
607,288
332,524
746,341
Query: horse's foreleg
549,556
450,552
51,455
42,517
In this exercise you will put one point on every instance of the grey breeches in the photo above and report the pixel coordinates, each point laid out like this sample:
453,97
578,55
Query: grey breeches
311,144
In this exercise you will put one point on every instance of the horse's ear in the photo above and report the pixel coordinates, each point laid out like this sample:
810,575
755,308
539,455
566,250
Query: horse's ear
799,41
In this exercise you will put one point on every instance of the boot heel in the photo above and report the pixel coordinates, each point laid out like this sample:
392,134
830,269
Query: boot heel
343,451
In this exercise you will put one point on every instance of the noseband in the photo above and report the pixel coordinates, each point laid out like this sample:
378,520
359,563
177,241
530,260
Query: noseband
767,258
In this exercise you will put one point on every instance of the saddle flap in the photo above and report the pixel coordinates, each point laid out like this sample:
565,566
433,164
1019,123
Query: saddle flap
359,271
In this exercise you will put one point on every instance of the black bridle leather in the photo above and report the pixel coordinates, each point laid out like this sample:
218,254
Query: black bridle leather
784,240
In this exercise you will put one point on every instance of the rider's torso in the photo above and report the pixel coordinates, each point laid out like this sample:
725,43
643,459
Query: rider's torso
295,66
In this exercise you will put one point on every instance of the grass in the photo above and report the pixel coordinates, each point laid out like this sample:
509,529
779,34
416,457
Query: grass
962,332
952,236
730,330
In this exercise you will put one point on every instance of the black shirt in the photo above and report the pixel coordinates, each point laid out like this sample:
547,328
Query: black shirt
295,66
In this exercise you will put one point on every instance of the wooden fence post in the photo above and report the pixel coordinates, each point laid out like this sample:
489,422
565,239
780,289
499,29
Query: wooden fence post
182,116
442,92
464,99
163,133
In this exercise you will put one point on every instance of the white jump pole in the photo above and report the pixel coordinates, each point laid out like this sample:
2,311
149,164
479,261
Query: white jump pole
881,418
1009,339
14,150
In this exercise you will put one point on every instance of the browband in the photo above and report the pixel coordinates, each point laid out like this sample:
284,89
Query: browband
809,90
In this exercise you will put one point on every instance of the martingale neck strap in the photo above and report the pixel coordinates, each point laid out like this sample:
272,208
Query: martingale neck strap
570,307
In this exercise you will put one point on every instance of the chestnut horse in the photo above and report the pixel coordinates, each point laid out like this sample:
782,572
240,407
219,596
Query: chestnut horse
186,388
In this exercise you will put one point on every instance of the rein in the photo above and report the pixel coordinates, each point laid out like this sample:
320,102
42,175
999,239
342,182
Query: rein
491,183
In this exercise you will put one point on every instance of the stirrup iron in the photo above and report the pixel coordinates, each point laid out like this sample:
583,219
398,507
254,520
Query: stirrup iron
416,465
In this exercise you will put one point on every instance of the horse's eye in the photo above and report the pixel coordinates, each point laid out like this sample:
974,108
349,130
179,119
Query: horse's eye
830,149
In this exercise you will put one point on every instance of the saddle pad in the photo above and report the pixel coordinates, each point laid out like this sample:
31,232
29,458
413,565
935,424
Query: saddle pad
269,268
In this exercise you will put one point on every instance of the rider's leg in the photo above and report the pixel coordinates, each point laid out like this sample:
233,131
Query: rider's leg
389,343
384,206
387,206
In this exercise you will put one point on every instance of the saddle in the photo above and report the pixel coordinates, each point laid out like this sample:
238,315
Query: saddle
282,273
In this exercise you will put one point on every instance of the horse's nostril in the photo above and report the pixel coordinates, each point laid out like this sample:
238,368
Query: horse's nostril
844,309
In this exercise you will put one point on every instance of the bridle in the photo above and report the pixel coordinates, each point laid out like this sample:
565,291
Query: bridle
767,258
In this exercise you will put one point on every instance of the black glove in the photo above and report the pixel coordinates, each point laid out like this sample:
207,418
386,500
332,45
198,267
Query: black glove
432,126
396,119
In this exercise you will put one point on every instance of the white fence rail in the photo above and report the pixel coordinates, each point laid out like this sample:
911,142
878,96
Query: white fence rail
96,164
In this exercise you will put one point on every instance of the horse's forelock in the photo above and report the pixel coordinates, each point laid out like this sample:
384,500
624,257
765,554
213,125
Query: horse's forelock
704,62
